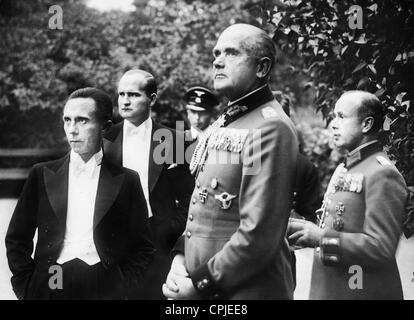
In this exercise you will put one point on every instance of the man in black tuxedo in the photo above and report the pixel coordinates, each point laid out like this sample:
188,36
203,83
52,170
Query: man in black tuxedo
91,216
157,154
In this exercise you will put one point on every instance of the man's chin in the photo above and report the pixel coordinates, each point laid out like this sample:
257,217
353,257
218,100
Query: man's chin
219,85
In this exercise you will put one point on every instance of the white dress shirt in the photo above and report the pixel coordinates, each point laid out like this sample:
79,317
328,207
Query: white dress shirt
82,188
135,152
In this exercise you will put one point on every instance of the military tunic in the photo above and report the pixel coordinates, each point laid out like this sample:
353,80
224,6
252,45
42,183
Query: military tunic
363,215
235,246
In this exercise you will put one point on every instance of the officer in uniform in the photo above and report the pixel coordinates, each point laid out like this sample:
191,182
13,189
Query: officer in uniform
362,212
200,103
234,244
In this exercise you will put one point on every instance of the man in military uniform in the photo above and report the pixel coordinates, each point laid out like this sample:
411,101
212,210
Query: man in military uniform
362,211
234,244
200,103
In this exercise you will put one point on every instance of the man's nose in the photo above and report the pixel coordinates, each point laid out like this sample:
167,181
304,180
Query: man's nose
125,100
72,128
218,62
334,124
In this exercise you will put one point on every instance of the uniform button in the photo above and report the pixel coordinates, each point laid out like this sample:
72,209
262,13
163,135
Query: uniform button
188,233
46,230
49,260
214,183
194,200
198,184
190,217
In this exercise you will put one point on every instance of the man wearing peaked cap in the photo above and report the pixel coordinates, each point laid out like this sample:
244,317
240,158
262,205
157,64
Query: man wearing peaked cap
200,106
200,103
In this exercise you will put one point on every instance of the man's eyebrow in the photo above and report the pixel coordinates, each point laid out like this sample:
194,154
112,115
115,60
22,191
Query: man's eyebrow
128,92
82,118
231,50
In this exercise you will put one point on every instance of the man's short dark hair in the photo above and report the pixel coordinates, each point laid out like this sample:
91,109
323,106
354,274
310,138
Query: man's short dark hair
261,46
151,84
102,100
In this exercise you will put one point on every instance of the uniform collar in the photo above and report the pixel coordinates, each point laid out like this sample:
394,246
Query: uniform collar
247,103
362,152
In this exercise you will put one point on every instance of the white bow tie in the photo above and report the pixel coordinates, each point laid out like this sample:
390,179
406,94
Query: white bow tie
79,169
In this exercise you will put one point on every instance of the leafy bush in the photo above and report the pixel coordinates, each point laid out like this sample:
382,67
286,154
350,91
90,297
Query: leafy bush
378,58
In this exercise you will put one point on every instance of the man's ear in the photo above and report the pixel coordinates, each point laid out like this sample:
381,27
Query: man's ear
263,67
153,99
367,124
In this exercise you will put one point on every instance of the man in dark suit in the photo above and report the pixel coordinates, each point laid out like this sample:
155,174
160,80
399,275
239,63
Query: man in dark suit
234,245
362,213
157,154
93,235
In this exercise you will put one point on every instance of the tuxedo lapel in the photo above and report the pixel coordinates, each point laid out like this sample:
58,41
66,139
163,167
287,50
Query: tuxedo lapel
154,169
112,144
56,183
109,185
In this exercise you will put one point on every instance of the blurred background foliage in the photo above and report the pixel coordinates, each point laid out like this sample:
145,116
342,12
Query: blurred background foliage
336,56
319,57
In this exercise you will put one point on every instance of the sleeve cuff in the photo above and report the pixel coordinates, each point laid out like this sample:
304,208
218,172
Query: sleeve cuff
330,245
204,284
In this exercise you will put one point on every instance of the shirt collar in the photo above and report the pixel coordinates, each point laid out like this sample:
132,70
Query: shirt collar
80,166
131,129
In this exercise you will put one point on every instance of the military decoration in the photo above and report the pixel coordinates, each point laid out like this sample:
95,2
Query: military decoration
225,199
203,195
228,139
338,224
351,182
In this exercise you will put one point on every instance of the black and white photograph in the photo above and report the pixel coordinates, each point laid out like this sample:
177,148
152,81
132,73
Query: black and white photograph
211,150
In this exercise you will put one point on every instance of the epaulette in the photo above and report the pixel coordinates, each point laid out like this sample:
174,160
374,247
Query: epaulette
383,161
269,112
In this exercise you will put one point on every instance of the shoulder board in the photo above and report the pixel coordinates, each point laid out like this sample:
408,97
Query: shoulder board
269,112
228,139
383,161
